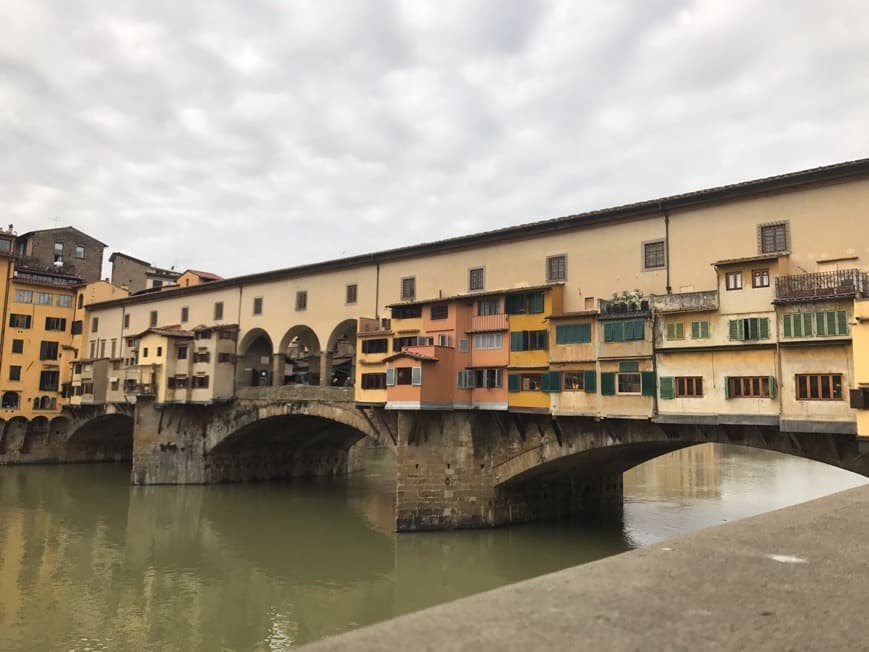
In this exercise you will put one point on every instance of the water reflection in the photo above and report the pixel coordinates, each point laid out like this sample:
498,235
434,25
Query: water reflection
87,562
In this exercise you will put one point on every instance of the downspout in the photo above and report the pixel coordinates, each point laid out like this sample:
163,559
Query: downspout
667,247
5,306
237,344
377,290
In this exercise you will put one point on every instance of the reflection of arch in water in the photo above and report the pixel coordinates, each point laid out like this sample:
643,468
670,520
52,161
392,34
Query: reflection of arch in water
300,361
108,437
255,355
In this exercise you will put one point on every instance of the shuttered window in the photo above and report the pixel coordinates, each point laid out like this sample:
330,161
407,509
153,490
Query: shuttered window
529,340
751,328
572,333
675,331
699,330
551,382
619,331
608,383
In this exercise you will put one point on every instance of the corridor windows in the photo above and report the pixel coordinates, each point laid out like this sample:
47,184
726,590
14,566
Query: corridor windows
373,381
476,279
44,298
350,294
375,346
301,300
258,305
760,278
623,331
819,387
152,320
19,321
24,296
654,255
749,387
556,268
185,314
733,280
218,310
484,341
529,340
572,333
408,288
773,238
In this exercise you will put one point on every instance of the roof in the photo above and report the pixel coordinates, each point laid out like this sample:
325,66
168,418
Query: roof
473,296
412,355
835,173
62,228
159,271
128,257
749,259
570,315
166,332
204,275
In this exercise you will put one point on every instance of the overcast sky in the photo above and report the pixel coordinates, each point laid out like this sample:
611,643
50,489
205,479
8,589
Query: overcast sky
240,136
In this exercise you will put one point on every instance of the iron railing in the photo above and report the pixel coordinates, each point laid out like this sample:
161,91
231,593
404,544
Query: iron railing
821,285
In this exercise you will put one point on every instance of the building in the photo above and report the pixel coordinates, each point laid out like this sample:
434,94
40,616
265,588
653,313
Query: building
64,249
136,274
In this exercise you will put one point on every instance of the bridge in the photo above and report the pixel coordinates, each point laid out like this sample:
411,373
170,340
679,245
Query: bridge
454,469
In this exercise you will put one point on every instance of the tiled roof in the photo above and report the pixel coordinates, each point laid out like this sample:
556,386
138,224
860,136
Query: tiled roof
411,354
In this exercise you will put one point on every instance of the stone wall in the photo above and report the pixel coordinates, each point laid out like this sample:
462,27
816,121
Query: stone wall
88,268
128,273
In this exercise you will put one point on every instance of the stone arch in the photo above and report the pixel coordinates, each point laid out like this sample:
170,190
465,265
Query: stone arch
298,357
255,355
277,441
340,363
36,432
14,431
107,437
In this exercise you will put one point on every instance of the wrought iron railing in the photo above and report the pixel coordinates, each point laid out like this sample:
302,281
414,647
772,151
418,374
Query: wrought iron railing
819,285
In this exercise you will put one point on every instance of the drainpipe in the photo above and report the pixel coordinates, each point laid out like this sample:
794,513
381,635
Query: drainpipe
377,291
667,246
6,305
237,344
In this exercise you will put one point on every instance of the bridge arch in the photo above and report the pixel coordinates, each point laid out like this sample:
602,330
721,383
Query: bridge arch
299,351
255,355
107,437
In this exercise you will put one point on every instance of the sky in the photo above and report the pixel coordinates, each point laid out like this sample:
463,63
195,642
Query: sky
238,136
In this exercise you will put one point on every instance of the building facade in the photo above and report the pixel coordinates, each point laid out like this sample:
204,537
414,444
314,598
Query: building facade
64,250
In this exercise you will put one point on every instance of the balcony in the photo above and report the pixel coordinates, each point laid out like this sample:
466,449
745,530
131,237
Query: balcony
487,323
685,301
821,285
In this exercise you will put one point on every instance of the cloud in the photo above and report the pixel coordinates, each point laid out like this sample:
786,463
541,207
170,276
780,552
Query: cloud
244,136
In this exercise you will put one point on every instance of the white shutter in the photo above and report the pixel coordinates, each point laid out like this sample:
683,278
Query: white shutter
416,376
390,376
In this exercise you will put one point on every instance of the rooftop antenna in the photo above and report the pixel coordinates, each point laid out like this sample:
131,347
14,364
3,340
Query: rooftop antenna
56,220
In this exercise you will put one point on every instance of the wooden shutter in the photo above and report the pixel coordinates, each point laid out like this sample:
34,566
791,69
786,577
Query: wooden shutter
727,387
583,332
589,381
772,387
514,382
671,331
737,329
668,386
390,376
516,341
763,332
841,322
647,383
788,325
821,323
544,337
608,383
535,302
551,382
416,376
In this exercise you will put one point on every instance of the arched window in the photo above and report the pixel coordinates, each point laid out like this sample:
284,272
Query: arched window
52,404
36,403
44,403
9,400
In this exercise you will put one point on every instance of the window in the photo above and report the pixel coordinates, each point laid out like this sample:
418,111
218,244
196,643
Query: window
48,350
441,311
159,349
489,307
750,387
55,324
375,346
102,348
93,349
19,321
64,300
126,320
24,296
831,322
95,324
10,401
218,310
201,356
302,300
521,304
373,381
79,252
157,283
773,237
350,294
486,378
476,279
258,304
80,300
483,341
17,346
408,375
819,387
75,328
699,330
185,314
629,383
573,381
177,382
145,352
675,331
620,331
408,288
224,357
199,382
49,380
654,255
524,382
733,280
572,333
400,343
15,372
556,268
58,252
44,298
688,386
114,348
152,320
760,278
406,312
752,328
443,339
463,345
529,340
465,379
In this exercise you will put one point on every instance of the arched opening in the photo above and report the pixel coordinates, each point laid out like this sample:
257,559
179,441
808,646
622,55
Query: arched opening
298,357
341,354
255,354
107,438
36,433
283,447
10,400
14,432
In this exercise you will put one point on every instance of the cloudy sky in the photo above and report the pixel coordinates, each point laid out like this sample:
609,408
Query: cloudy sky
242,135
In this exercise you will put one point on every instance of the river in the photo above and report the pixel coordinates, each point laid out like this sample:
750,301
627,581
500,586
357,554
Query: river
89,563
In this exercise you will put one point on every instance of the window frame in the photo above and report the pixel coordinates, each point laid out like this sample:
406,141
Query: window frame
763,274
218,311
623,375
351,294
79,252
408,288
301,304
662,255
257,306
803,386
761,245
560,274
736,277
688,386
476,279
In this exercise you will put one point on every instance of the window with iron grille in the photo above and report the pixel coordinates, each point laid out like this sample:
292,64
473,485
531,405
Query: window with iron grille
773,238
408,288
654,255
476,280
440,312
556,268
258,305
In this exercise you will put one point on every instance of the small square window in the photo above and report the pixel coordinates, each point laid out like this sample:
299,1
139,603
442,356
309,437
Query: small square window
258,306
408,288
95,324
302,300
17,346
153,318
218,310
476,279
185,314
350,296
760,278
556,268
79,251
773,238
734,280
654,255
127,320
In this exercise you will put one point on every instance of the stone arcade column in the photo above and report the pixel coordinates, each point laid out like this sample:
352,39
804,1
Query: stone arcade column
326,368
279,363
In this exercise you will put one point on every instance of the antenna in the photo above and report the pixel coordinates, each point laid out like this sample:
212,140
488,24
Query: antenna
55,219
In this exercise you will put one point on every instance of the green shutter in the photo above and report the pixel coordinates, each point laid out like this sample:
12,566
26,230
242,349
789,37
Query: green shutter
634,329
764,328
704,329
535,302
737,329
545,337
727,387
647,382
821,323
589,381
583,332
608,383
513,304
772,386
629,367
695,330
564,334
517,341
514,382
551,382
841,322
608,332
788,325
680,331
668,386
671,331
